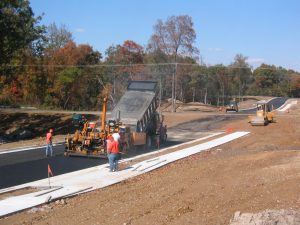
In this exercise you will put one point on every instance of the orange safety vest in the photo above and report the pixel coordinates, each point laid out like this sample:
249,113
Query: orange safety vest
115,147
49,138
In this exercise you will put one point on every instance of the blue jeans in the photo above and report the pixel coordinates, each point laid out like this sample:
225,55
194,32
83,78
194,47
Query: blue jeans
49,148
113,162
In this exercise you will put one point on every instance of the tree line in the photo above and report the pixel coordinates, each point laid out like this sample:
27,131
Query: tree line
43,66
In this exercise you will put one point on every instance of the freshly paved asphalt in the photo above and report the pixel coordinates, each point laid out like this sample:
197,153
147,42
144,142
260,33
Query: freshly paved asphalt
30,165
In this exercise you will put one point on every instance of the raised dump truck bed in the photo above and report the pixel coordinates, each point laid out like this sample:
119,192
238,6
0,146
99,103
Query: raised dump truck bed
137,105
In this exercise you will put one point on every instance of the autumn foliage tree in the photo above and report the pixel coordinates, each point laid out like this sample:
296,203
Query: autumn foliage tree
68,79
20,33
125,64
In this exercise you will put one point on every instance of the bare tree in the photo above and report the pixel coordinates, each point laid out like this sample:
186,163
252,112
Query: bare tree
58,37
174,37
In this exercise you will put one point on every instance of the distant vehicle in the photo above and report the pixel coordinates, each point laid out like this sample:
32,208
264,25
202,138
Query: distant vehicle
232,106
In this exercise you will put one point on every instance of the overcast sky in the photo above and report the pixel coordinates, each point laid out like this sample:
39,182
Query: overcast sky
266,31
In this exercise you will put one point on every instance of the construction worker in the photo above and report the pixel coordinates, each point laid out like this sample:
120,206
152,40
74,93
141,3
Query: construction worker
49,137
113,156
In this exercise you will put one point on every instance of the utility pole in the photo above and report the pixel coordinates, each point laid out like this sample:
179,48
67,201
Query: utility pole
114,74
174,89
205,96
160,91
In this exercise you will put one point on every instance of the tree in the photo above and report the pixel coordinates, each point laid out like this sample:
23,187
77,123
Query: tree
18,28
271,81
219,79
129,57
199,82
240,74
69,80
174,37
57,37
294,84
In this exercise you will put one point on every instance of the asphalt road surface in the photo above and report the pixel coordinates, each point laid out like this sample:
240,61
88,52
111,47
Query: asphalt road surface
25,166
276,102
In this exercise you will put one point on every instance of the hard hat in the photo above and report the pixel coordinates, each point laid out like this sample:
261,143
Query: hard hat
51,130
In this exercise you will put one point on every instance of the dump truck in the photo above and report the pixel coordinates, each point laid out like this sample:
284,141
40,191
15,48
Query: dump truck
232,106
136,110
264,114
134,117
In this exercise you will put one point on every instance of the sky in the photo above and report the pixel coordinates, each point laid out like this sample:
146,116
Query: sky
265,31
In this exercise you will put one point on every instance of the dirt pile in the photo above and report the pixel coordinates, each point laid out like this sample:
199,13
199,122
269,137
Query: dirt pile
26,126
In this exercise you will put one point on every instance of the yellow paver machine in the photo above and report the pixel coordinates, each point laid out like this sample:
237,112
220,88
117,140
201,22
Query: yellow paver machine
264,114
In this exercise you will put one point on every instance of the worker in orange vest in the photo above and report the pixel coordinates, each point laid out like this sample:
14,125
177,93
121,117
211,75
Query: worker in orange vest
113,152
49,137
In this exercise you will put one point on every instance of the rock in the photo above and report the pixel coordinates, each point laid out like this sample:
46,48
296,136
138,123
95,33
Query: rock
36,209
33,210
25,134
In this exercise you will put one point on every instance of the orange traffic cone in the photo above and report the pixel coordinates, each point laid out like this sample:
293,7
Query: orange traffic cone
229,130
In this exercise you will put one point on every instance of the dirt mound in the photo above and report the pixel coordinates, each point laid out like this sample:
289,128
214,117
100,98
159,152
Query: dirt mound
267,217
26,126
190,106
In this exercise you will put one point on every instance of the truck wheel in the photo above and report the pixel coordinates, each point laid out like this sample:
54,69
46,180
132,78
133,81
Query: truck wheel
157,142
164,138
149,142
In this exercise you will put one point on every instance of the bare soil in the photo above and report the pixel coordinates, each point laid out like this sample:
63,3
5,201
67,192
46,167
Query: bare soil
252,174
